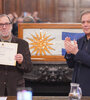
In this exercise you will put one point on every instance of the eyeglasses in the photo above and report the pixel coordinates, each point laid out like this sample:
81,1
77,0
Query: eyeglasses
5,24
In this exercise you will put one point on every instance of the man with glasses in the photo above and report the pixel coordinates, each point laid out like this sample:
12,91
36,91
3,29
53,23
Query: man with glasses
11,77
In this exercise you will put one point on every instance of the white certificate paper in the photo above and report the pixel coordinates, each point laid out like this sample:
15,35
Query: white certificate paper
7,53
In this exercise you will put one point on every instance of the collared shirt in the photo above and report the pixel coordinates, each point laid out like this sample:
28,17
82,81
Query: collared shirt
9,40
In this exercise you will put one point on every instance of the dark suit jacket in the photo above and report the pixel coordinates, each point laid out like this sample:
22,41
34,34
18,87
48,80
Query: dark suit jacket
12,76
81,64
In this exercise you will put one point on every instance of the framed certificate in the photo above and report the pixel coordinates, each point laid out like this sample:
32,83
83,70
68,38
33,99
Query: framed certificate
7,53
46,40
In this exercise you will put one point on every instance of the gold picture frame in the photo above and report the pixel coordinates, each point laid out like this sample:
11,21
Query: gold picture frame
26,26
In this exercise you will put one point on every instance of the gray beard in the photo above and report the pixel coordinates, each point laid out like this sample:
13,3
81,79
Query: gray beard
5,36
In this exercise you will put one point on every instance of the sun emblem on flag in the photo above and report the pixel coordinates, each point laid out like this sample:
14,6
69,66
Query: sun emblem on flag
40,44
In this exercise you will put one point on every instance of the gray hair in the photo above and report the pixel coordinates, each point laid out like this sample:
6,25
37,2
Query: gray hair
84,12
4,15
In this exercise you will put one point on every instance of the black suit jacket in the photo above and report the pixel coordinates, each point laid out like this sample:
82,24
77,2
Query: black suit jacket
81,64
12,76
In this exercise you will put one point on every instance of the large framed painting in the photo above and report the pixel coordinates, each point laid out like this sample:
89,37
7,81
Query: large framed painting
46,40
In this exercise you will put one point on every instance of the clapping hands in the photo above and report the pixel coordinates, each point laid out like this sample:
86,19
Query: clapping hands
71,47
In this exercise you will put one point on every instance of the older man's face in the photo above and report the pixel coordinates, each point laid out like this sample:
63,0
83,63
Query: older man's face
5,27
86,23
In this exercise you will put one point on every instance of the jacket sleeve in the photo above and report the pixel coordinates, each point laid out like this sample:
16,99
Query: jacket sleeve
70,60
26,65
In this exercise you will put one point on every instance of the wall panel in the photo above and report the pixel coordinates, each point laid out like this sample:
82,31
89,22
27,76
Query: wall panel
49,10
1,6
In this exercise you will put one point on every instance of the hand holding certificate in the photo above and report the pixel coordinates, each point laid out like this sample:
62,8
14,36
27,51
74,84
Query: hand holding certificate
7,53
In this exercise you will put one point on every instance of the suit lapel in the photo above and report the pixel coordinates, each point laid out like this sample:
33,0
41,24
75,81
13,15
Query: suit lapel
80,43
14,39
88,48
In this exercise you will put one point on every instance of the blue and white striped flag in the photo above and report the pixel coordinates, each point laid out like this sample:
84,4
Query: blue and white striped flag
73,36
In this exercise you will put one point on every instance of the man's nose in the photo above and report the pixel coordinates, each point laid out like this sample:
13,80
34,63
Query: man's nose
85,23
4,26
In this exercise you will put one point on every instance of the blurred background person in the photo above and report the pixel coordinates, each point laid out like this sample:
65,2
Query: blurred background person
36,18
25,14
15,25
28,19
